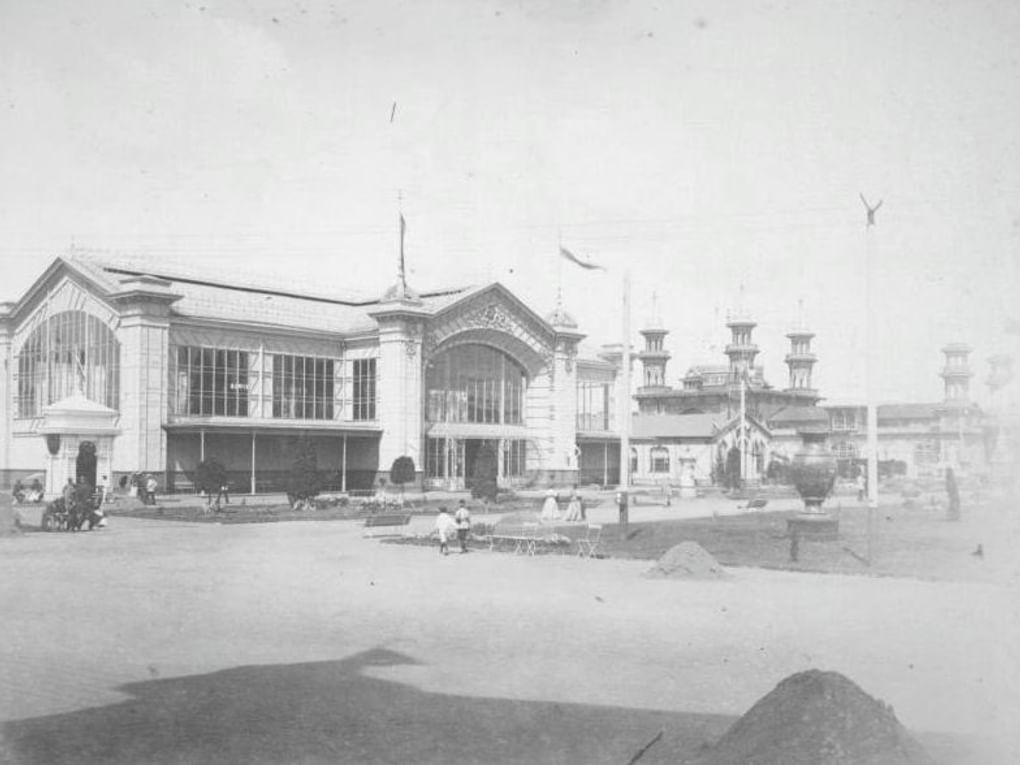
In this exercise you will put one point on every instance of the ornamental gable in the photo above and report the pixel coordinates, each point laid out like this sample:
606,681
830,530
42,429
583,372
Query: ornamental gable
490,309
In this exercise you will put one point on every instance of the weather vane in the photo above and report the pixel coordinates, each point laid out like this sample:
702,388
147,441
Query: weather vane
871,210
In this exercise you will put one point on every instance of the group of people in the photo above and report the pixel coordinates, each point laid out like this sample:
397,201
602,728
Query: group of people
551,509
447,526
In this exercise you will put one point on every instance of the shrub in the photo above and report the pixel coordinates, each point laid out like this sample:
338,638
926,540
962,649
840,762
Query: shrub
210,476
303,480
401,472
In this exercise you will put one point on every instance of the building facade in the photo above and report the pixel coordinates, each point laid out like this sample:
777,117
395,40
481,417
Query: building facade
112,370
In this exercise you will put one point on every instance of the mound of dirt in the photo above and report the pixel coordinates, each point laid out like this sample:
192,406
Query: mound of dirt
817,718
687,560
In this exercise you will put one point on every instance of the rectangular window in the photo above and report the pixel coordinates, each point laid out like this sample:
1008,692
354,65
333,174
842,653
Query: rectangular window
209,381
302,387
363,393
594,407
515,453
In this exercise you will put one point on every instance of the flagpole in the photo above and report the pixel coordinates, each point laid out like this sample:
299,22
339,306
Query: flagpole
870,375
625,403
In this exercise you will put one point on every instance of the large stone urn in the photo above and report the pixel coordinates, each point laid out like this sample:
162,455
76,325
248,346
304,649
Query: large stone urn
813,474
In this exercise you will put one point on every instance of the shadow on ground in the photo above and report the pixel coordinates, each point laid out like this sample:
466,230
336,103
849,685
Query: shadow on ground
335,712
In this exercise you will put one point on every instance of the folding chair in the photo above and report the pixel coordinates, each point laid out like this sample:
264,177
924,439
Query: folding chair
588,545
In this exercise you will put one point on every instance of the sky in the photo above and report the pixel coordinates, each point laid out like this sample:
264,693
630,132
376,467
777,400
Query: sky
716,152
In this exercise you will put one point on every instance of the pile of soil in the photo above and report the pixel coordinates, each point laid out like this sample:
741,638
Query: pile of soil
687,560
817,718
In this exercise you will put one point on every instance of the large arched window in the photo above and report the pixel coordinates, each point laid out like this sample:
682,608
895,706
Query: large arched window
68,352
475,383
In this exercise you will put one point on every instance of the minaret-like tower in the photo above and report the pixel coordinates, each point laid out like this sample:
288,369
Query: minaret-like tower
956,374
654,356
801,360
741,349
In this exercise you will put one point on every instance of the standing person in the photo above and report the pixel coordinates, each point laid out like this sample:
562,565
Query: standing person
150,489
574,512
224,493
107,488
953,491
68,495
862,485
444,528
463,520
550,510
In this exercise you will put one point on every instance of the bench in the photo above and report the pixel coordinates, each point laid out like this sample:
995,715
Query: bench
383,521
525,537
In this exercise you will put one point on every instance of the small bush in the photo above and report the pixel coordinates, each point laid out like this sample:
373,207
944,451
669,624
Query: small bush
303,481
210,476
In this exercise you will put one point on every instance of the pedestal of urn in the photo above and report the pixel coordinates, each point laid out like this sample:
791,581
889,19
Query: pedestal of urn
813,473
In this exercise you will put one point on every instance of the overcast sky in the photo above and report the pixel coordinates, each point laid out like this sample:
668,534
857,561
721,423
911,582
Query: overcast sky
702,147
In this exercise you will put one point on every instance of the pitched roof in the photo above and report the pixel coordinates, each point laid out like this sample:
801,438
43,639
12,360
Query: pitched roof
907,411
253,301
798,415
674,425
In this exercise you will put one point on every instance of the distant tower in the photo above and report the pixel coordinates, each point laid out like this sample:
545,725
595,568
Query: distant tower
956,374
654,357
801,360
741,349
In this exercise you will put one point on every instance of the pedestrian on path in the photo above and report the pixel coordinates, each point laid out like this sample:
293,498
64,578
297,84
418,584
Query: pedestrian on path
445,526
463,520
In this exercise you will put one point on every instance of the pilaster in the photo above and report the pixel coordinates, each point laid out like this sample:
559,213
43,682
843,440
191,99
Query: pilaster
400,383
144,306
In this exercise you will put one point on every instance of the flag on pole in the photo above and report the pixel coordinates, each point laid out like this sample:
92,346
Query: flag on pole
403,230
565,253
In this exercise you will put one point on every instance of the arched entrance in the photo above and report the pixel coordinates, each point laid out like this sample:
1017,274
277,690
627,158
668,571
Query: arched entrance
85,465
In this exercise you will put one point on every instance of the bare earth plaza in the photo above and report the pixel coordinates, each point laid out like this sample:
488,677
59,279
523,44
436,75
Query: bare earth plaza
509,382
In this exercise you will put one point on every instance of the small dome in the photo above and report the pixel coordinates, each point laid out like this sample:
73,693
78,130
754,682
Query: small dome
560,318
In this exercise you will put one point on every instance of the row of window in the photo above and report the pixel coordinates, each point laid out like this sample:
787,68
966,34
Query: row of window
220,382
475,383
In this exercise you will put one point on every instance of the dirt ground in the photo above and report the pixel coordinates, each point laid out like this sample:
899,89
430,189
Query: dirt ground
155,641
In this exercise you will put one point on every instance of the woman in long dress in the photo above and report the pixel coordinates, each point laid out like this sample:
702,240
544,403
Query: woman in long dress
550,510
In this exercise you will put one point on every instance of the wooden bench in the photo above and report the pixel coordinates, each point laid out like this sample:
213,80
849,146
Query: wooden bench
383,521
525,537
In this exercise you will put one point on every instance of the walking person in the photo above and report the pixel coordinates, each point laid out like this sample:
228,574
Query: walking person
224,494
445,526
150,489
862,486
463,520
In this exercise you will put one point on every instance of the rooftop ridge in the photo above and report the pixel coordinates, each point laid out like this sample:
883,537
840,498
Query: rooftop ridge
113,266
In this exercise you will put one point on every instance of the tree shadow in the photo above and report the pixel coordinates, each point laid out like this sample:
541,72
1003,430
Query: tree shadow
333,712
